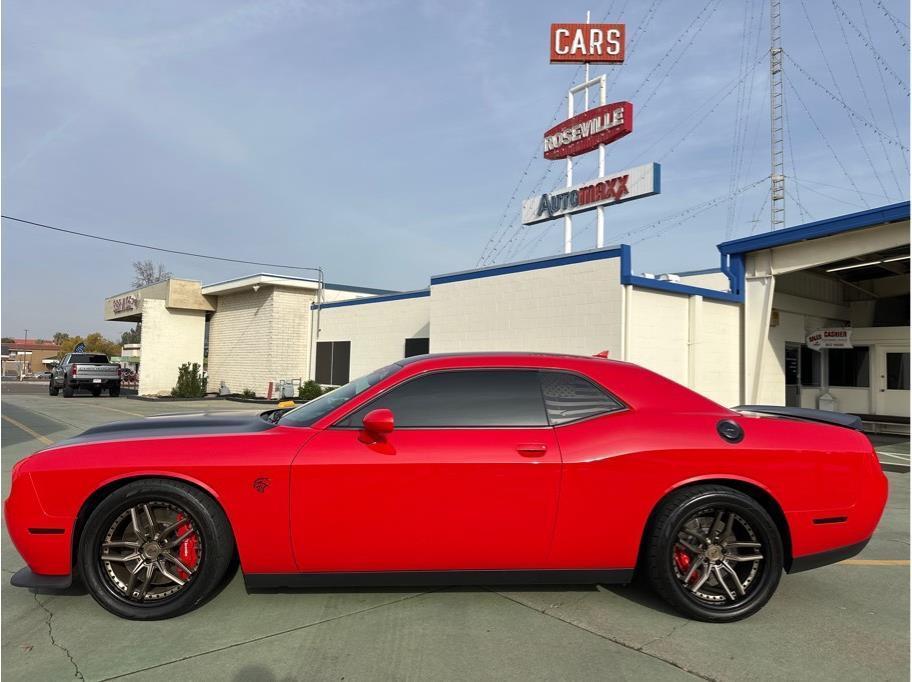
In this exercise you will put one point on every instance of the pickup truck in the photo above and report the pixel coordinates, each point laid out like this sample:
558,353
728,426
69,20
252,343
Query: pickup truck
92,371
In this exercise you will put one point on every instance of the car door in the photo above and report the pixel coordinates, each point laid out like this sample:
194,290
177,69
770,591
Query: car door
59,369
467,480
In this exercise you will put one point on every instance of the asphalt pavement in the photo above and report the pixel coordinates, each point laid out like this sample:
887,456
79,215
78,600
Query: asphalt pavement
846,621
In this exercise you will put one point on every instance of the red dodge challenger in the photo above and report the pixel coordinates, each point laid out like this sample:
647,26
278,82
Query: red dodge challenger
496,468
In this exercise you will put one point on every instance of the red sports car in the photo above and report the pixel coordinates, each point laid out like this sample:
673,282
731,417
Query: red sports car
452,469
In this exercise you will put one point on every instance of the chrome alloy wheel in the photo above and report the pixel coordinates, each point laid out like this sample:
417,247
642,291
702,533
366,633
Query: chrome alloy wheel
142,552
717,557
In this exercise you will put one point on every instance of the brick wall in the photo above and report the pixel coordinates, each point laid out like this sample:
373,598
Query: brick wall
169,339
567,309
259,336
377,331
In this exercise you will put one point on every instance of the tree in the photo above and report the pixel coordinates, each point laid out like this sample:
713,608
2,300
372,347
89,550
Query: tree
131,336
60,337
7,339
94,343
145,272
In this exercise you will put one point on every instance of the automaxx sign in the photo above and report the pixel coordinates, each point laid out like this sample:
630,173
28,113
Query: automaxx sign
642,181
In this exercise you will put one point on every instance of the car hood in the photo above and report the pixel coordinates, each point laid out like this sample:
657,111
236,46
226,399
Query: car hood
174,426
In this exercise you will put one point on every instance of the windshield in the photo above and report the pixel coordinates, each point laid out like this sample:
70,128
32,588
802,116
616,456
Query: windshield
88,358
310,412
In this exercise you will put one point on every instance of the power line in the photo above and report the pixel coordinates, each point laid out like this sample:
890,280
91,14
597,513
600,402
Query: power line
883,86
835,81
877,55
867,101
845,106
827,196
157,248
896,22
825,140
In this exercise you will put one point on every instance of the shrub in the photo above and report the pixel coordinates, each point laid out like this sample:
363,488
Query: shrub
309,390
329,389
247,393
190,384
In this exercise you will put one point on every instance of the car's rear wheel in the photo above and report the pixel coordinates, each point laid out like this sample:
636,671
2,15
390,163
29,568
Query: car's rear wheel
52,389
68,390
155,549
714,553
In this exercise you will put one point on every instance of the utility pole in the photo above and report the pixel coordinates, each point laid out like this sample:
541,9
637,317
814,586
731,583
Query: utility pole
777,154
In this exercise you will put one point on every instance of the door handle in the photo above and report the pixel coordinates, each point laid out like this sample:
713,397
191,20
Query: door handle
531,449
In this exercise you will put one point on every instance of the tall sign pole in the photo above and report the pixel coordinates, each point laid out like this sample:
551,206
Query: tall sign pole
777,154
587,131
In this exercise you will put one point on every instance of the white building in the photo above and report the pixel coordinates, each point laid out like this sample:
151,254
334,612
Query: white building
738,333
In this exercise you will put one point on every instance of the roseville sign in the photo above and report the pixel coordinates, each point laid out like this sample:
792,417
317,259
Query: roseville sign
831,337
122,305
635,183
586,131
587,43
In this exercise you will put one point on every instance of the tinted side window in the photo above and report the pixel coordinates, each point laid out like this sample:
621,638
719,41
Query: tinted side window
569,397
463,398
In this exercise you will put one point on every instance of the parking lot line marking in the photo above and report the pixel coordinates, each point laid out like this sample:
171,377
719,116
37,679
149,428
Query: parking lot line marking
114,409
34,434
876,562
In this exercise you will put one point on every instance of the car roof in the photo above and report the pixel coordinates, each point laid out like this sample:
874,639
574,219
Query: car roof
635,385
486,357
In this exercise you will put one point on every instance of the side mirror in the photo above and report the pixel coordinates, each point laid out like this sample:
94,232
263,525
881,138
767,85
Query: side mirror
379,421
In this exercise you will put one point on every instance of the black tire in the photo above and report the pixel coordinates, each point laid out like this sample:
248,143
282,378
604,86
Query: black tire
217,542
52,389
68,390
95,391
114,390
663,541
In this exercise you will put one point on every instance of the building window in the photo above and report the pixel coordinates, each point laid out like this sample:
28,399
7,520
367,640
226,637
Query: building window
810,367
898,371
417,347
333,362
849,367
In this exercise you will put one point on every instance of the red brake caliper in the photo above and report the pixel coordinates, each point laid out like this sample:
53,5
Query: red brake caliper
681,559
188,554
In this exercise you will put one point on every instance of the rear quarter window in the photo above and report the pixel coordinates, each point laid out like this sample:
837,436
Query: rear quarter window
570,397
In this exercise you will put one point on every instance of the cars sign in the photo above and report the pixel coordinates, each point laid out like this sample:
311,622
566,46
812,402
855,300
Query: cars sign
577,43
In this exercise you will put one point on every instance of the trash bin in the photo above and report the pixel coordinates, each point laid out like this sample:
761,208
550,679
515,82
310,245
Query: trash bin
827,402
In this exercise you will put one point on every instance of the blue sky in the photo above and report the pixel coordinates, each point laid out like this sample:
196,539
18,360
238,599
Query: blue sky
383,140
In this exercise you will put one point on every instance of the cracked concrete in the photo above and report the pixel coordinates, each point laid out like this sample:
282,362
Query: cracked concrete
50,628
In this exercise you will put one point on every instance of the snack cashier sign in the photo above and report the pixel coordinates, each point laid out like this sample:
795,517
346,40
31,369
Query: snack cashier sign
833,337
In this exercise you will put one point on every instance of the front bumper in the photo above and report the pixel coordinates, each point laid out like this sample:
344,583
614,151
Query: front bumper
43,540
25,577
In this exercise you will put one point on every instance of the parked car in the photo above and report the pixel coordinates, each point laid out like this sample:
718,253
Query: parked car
91,371
446,469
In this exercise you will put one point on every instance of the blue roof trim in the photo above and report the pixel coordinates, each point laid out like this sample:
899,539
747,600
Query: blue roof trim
526,266
627,277
688,273
821,228
373,299
359,290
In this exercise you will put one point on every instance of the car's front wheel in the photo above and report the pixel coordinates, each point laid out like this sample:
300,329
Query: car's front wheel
155,549
714,553
52,388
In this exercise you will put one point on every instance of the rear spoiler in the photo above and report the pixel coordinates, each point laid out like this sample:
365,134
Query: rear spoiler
848,421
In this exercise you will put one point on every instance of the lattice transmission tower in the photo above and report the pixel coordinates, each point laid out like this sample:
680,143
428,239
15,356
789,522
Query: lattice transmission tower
777,154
